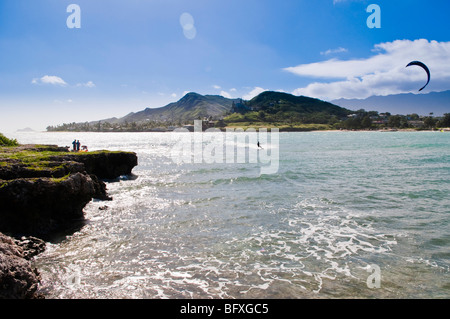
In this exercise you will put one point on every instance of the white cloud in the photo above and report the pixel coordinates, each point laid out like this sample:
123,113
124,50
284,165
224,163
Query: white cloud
49,79
381,74
334,51
217,87
56,80
225,94
250,95
88,84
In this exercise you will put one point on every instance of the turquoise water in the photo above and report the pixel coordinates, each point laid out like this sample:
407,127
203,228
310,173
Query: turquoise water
339,203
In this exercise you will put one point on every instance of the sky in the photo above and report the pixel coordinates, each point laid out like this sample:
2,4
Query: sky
107,58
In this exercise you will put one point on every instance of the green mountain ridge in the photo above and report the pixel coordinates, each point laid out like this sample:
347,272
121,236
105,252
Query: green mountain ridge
286,109
274,102
195,106
267,107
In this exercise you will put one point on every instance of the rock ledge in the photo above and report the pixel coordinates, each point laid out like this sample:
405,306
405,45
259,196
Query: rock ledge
43,190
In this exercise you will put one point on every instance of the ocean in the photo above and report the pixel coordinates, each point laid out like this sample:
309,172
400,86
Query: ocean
345,215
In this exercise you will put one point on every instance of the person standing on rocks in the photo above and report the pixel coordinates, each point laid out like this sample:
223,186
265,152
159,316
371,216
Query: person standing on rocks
78,145
74,143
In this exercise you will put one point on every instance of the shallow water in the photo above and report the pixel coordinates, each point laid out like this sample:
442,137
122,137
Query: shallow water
339,203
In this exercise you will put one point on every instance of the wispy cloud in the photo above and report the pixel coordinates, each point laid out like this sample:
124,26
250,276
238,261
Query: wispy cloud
49,79
334,51
58,81
381,74
88,84
254,92
225,94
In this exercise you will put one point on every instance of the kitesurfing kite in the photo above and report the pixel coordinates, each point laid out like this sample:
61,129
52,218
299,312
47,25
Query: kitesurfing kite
418,63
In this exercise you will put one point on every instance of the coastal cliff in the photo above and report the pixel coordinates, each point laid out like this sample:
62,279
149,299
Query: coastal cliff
43,190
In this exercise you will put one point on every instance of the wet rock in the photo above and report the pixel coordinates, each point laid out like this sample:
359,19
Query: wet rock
18,279
31,246
100,189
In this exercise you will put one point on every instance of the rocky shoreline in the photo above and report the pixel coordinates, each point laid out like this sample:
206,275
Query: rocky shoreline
43,190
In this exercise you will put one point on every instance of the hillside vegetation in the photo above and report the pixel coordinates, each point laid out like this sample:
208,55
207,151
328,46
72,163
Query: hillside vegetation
286,110
4,141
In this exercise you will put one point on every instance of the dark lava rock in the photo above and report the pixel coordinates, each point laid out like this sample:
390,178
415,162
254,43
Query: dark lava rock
18,279
44,197
40,206
31,246
55,169
104,164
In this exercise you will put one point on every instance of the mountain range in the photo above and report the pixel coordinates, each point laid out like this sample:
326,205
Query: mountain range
437,103
278,106
196,106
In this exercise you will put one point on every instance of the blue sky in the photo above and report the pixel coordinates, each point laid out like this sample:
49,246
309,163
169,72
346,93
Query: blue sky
129,55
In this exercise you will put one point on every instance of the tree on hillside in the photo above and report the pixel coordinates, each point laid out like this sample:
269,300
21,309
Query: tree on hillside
262,115
445,121
394,121
366,122
429,122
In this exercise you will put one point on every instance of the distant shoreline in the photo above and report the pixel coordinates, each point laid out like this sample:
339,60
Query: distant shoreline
281,130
